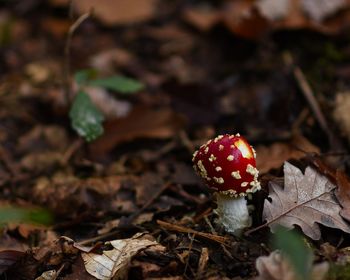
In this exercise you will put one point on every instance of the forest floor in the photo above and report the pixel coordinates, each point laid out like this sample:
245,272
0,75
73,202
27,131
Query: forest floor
129,204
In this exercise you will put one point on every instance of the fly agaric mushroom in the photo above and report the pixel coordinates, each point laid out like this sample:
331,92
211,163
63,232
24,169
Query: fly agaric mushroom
227,165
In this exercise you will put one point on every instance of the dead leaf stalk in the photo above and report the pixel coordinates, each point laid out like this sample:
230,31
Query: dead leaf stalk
67,53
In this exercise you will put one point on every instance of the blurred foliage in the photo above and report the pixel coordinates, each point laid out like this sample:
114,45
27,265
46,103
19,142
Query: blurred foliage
295,249
11,214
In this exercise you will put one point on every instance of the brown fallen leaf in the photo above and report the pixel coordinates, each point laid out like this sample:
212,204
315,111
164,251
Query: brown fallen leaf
341,113
253,19
70,195
112,12
343,194
9,258
270,157
203,18
307,199
276,267
78,271
141,122
115,262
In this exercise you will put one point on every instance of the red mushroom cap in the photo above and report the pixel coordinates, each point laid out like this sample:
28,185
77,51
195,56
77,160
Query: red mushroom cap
227,164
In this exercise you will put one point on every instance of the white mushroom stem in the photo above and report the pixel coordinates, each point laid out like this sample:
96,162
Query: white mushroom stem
233,213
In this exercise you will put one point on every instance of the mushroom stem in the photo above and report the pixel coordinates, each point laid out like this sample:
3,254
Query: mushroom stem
233,213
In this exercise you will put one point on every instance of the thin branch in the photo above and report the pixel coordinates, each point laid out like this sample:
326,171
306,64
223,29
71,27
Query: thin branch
213,237
310,98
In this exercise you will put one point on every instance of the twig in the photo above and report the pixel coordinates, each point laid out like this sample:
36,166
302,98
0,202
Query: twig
6,158
212,230
310,97
98,238
189,253
186,141
67,54
216,238
202,263
132,217
67,155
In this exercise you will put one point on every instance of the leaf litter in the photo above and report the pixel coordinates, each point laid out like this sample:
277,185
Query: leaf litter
201,79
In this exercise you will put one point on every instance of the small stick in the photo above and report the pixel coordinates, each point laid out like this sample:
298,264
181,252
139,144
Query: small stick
132,217
189,253
216,238
202,263
309,95
67,155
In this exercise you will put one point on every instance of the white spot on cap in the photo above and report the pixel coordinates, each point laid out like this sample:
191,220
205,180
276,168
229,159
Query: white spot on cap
202,170
218,168
252,170
236,175
218,138
212,158
231,193
206,150
221,147
194,155
219,180
238,135
244,184
230,158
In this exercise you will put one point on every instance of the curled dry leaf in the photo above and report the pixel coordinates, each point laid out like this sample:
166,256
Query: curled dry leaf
343,194
141,122
252,19
48,275
269,157
276,267
110,106
112,12
305,201
69,195
113,263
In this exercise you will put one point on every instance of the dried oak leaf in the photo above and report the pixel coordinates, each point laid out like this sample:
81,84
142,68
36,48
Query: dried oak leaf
276,267
305,200
114,263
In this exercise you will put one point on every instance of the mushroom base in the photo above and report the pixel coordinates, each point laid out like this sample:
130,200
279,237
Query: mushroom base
233,213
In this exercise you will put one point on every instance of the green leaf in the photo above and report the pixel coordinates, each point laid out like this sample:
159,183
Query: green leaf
118,83
86,119
295,250
83,76
18,214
